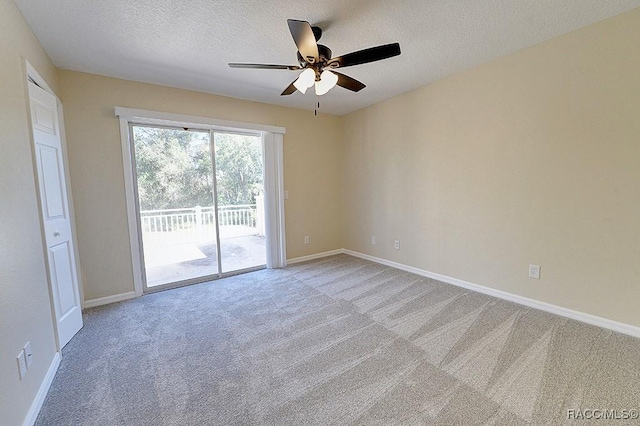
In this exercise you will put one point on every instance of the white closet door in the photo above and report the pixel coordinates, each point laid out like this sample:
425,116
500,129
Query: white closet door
55,213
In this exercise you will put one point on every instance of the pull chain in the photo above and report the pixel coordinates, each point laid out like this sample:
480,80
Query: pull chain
315,111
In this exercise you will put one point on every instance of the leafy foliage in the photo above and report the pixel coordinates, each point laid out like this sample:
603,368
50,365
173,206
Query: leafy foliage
238,168
174,168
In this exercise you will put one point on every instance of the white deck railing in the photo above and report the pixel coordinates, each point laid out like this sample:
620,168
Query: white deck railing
198,223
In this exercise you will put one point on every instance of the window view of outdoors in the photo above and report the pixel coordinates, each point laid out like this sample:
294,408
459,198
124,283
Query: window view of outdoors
239,177
176,198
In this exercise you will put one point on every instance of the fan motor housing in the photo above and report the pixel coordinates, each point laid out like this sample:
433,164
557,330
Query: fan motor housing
323,51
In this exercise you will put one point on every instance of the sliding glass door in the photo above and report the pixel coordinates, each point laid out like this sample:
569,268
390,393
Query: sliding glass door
240,186
200,210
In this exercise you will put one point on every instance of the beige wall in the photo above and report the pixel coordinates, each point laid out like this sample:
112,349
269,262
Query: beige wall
532,158
312,169
25,311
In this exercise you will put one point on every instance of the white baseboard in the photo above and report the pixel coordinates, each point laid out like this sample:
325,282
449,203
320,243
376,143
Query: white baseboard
521,300
314,256
109,299
36,405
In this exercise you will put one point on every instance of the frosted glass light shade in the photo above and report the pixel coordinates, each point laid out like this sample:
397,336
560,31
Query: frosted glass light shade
327,81
305,80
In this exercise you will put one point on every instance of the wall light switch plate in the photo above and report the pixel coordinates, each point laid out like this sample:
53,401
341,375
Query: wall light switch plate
534,272
373,240
306,240
286,195
396,244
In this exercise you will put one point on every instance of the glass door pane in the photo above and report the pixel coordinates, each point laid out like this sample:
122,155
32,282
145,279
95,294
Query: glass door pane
175,198
239,184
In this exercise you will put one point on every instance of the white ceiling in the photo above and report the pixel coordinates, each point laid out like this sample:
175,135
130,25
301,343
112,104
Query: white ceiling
188,43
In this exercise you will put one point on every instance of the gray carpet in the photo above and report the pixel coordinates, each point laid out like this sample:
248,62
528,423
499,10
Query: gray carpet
336,341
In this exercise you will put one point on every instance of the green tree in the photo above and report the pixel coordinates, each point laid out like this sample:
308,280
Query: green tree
174,168
238,168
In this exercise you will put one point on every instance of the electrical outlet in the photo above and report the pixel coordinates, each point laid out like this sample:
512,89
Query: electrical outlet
22,365
28,355
286,195
396,244
373,240
534,272
306,239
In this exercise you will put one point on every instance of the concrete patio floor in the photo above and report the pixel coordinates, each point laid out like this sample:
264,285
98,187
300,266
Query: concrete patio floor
171,263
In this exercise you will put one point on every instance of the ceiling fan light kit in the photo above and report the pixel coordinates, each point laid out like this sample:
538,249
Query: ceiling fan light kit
316,61
306,80
327,81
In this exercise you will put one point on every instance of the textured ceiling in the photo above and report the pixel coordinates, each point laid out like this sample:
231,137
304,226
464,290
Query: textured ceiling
188,43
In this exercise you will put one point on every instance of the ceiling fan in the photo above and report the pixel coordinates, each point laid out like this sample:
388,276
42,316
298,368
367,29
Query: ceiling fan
318,65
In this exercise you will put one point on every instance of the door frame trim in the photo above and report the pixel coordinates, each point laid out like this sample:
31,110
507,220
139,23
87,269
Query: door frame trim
128,116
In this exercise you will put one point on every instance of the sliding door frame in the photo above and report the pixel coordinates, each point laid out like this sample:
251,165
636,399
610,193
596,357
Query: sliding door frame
272,172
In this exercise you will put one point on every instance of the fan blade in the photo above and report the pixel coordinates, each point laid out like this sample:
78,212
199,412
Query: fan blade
371,54
264,66
289,90
305,40
349,82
